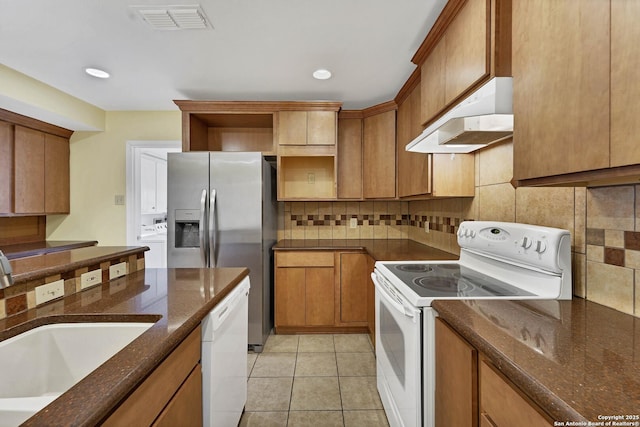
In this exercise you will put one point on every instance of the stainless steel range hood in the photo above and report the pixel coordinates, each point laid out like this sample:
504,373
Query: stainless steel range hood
485,117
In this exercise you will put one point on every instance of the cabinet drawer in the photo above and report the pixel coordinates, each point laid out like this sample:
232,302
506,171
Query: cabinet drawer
501,404
144,405
304,259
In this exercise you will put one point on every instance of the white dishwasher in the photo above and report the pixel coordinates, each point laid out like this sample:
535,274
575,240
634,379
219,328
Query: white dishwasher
224,359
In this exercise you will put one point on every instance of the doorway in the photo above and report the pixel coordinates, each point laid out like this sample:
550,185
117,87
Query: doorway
146,198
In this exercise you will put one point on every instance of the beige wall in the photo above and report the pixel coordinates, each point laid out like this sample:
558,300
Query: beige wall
30,97
98,173
331,220
603,222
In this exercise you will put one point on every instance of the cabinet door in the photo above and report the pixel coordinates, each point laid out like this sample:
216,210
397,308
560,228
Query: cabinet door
453,175
321,128
185,408
354,272
625,74
467,44
147,185
371,301
350,159
413,168
456,379
432,83
320,296
560,87
495,391
292,128
28,171
161,186
379,178
290,297
6,167
56,171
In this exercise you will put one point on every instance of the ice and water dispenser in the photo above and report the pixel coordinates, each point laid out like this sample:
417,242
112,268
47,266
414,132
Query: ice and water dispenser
187,228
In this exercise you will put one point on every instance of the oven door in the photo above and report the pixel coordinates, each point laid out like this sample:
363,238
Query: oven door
398,355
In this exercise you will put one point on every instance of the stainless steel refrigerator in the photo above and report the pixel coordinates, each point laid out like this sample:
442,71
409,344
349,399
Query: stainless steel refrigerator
222,212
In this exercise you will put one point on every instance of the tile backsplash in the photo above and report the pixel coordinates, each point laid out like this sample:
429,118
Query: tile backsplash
604,223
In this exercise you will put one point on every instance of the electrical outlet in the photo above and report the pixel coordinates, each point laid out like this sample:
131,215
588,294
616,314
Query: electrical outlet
311,178
353,223
49,291
117,270
90,278
426,226
119,199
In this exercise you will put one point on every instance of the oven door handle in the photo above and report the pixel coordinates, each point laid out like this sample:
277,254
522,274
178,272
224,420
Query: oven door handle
397,304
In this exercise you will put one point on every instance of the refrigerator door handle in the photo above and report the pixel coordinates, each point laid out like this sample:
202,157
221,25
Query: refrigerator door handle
212,229
202,234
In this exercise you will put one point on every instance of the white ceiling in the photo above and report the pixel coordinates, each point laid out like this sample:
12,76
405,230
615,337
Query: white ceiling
257,50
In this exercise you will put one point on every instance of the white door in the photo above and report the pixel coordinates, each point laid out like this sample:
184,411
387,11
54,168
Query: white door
146,200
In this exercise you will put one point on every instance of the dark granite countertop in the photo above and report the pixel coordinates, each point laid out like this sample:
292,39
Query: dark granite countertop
379,249
38,266
38,248
175,299
576,359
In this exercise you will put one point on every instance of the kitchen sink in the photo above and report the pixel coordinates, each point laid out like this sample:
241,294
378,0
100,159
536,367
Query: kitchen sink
39,365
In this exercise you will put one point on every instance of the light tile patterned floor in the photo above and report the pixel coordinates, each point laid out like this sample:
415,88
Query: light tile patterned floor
313,380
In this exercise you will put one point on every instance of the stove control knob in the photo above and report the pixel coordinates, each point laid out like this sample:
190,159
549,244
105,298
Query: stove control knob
526,242
541,246
460,232
472,234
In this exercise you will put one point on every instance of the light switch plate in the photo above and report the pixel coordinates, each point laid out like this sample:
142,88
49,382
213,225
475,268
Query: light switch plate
117,270
49,291
90,278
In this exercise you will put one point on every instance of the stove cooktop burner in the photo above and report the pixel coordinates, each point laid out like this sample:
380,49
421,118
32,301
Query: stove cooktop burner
451,280
443,283
414,268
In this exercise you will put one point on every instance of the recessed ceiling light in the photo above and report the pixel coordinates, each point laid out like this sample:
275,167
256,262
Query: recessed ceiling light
322,74
95,72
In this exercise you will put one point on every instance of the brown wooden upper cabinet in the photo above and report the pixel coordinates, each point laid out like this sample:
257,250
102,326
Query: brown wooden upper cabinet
228,126
379,155
576,98
428,175
35,167
350,156
306,127
469,43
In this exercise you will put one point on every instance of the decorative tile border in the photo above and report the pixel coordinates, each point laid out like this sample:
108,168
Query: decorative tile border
344,219
624,255
22,297
437,223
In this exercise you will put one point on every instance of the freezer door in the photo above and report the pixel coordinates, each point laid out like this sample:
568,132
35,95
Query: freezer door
187,209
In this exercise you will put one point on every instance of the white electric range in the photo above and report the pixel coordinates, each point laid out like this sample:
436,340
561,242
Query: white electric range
498,260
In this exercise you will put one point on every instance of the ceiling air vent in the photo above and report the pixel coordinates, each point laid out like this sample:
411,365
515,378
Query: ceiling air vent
187,17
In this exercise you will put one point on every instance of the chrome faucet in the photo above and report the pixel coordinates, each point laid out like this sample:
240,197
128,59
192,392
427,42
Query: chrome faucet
5,272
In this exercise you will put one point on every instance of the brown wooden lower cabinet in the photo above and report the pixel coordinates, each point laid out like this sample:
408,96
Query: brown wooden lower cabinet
502,404
173,391
354,272
304,290
456,379
321,291
471,392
